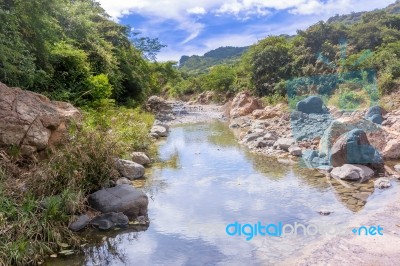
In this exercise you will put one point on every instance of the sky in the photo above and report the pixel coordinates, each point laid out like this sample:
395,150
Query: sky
196,27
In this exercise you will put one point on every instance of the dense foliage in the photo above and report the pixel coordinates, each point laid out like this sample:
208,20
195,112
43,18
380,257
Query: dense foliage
72,50
361,48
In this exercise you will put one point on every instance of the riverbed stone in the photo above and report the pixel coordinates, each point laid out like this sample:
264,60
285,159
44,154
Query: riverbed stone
140,158
130,169
159,130
382,183
80,223
295,150
352,172
122,198
110,220
252,136
397,167
284,143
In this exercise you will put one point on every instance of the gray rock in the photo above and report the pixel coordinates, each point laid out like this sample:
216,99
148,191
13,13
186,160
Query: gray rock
234,125
309,155
159,130
140,158
337,129
252,136
397,167
129,169
377,119
382,183
270,136
123,180
311,104
109,220
295,150
159,123
352,172
79,224
353,147
284,143
374,114
122,198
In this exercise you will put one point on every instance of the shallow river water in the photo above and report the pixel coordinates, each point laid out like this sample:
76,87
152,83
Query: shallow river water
208,181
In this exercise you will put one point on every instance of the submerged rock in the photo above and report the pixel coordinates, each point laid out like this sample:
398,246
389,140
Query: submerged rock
122,198
110,220
352,172
382,183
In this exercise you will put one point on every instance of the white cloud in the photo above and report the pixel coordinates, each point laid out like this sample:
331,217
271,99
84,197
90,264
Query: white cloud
186,17
196,10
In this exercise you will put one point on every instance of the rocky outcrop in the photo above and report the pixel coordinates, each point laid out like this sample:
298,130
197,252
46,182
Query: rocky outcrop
309,126
352,172
140,158
311,105
32,122
157,104
122,198
129,169
268,112
353,147
244,104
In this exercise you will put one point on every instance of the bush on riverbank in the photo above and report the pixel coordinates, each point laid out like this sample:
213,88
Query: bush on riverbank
39,199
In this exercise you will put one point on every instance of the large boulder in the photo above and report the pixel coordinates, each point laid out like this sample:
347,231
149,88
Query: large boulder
244,104
32,122
353,147
129,169
310,105
122,198
352,172
341,126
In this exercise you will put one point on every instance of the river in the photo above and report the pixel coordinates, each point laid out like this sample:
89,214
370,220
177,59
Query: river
208,181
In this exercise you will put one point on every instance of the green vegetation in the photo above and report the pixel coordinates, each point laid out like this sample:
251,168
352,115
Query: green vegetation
40,199
195,65
318,60
72,51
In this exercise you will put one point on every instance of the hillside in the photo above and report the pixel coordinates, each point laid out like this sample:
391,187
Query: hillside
355,17
200,64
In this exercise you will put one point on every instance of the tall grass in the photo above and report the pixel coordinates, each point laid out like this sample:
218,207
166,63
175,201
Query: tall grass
39,199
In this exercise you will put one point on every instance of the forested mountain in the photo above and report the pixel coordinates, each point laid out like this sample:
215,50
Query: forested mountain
356,16
71,50
200,64
355,42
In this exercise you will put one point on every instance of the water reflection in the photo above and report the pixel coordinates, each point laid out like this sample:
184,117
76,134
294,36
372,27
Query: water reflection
214,182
